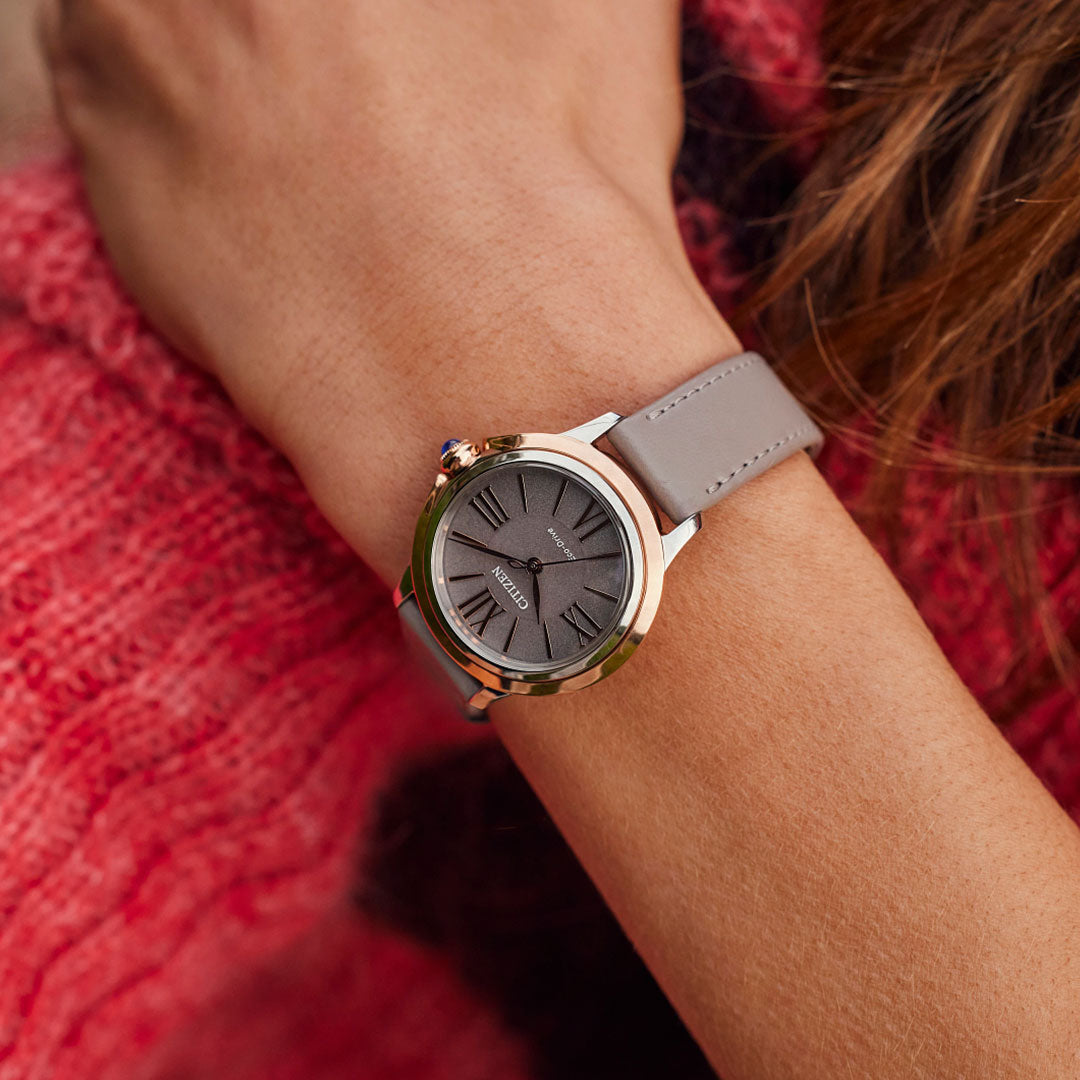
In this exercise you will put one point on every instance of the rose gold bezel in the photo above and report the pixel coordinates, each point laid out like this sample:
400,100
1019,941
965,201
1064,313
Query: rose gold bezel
646,564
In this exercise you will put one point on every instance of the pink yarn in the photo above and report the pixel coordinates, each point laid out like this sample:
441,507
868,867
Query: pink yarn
200,685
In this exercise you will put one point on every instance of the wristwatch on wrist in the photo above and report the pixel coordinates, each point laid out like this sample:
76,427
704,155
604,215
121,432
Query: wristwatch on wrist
538,560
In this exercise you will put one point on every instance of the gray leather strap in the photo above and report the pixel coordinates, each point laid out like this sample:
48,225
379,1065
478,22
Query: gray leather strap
433,653
704,439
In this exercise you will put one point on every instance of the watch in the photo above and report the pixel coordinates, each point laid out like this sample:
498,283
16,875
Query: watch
538,560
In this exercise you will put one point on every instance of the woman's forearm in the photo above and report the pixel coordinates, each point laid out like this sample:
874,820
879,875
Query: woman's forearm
822,847
824,850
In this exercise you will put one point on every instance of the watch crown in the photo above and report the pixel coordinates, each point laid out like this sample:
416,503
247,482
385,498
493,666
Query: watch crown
457,454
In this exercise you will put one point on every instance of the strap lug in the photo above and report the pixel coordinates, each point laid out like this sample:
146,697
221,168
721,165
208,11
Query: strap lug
404,588
673,542
476,707
594,429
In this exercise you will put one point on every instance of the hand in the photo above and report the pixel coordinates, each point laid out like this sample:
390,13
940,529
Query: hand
247,160
368,218
468,541
536,593
583,558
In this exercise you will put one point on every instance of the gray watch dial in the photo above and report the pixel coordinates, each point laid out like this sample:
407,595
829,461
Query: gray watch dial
531,566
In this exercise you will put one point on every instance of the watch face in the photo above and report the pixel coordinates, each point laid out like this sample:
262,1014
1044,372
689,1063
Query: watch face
531,566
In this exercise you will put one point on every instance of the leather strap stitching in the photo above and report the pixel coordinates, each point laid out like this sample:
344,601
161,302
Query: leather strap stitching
655,414
713,488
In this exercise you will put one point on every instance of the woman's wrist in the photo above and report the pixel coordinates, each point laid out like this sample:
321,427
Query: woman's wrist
579,308
376,232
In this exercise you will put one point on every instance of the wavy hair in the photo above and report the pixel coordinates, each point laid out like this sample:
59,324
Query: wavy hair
924,296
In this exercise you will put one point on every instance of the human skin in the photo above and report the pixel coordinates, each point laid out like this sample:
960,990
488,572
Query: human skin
380,224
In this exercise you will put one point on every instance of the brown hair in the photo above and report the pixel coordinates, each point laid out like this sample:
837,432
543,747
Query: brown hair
928,279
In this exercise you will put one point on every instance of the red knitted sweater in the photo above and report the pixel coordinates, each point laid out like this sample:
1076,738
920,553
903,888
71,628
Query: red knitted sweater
202,689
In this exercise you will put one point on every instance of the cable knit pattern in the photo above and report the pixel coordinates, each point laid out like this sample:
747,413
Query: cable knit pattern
201,687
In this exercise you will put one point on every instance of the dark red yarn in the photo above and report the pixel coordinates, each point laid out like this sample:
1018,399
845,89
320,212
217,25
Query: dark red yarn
202,689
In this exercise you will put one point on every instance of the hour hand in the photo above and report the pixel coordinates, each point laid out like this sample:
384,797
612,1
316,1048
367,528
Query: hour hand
536,593
479,545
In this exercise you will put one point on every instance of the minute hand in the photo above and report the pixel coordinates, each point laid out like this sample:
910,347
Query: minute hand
584,558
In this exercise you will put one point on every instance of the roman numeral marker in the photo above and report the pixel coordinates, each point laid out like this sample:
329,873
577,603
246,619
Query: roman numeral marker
486,504
589,515
467,540
595,529
587,628
483,607
599,592
558,501
510,636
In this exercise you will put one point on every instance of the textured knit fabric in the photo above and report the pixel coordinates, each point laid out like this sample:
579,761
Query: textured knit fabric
202,689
